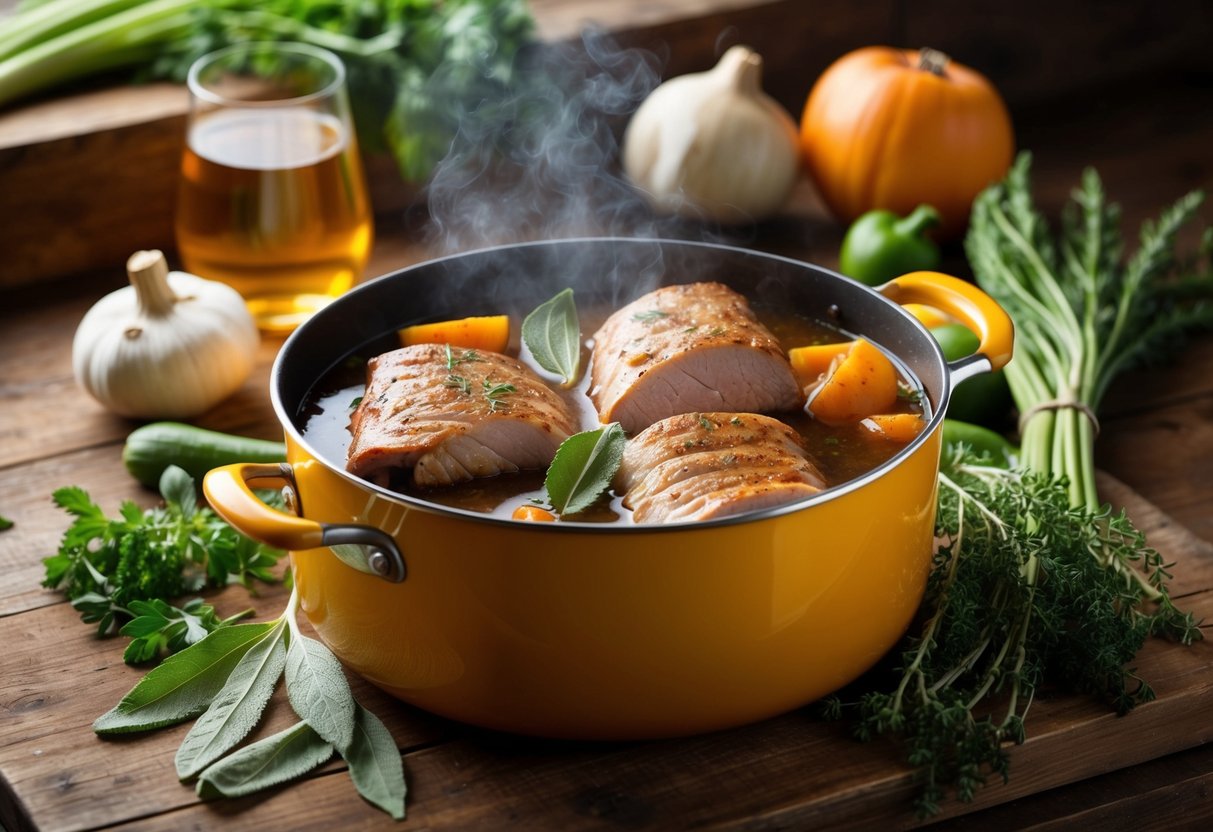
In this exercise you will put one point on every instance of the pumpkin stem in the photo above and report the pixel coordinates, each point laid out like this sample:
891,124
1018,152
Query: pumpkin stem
933,61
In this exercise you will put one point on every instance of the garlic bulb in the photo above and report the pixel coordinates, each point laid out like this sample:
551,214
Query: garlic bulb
713,144
169,346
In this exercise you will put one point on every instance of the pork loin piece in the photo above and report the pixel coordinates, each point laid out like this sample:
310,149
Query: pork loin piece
701,466
688,348
452,415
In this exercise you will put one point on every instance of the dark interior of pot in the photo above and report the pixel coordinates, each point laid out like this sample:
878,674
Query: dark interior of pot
606,272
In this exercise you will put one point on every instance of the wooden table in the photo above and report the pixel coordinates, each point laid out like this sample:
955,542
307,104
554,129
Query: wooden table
1082,766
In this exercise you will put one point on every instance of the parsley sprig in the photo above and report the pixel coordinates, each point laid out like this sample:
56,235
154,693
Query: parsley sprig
113,570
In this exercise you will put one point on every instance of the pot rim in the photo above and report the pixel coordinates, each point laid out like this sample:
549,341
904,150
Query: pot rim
573,526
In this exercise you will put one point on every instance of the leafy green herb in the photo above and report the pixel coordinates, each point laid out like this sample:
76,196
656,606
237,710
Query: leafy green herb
159,629
651,315
735,421
583,468
357,400
1082,314
284,756
706,423
415,67
319,692
716,331
104,565
184,684
237,707
5,524
552,332
374,763
228,677
1019,593
495,394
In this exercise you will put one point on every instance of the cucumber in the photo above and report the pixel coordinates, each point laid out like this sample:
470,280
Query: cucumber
155,446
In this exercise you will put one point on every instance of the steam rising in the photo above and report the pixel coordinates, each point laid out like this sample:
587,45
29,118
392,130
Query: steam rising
545,164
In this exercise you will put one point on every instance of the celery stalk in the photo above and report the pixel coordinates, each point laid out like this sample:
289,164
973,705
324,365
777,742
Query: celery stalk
120,40
42,22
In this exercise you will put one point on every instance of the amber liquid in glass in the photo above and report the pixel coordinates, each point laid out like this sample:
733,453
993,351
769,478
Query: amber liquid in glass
273,204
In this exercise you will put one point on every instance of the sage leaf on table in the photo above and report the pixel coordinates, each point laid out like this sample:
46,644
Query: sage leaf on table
583,467
238,706
184,684
318,690
268,762
552,332
375,765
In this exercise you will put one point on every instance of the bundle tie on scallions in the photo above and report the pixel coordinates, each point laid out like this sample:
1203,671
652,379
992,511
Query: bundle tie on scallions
1057,404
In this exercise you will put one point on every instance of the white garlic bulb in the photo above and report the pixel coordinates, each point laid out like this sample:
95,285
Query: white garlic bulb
169,346
713,144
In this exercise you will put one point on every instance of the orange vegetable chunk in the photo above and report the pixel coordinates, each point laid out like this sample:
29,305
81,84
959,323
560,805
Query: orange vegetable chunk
533,513
863,384
896,427
490,333
809,363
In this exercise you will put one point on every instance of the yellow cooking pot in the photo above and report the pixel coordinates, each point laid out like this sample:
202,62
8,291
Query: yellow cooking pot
616,631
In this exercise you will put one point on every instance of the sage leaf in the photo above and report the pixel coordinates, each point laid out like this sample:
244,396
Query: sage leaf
237,707
268,762
184,684
375,765
552,333
583,467
319,692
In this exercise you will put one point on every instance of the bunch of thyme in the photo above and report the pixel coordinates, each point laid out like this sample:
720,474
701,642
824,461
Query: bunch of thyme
1020,596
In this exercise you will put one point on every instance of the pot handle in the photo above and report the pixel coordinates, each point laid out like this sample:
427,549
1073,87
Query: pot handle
969,305
228,491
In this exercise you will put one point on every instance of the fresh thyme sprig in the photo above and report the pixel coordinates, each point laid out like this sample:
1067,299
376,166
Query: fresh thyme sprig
1020,596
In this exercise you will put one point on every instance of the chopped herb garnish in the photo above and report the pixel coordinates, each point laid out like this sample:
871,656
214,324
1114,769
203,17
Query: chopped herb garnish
468,357
706,423
357,401
689,330
716,331
735,421
907,393
459,382
494,393
650,316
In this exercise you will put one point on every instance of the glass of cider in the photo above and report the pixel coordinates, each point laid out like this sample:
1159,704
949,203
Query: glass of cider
272,198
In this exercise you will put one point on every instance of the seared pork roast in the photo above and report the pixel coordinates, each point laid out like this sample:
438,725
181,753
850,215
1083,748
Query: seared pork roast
451,415
688,348
701,466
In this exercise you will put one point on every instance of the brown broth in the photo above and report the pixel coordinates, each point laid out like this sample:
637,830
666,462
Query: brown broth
841,453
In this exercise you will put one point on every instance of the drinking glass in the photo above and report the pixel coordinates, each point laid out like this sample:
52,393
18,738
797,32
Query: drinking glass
272,199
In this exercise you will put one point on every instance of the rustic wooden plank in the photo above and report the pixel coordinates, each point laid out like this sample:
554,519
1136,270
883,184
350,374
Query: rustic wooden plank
1166,452
790,772
60,677
1166,794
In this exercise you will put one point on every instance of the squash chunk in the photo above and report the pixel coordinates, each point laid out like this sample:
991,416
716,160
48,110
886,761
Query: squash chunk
490,333
810,363
863,384
895,427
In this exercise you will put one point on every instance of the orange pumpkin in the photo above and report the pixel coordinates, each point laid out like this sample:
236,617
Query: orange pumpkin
894,128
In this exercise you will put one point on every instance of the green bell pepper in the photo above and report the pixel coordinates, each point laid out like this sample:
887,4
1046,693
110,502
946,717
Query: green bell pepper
880,246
